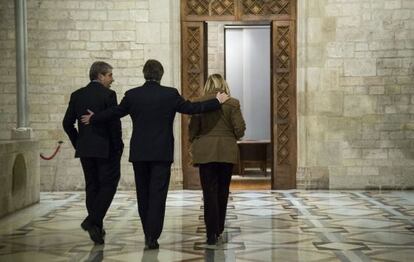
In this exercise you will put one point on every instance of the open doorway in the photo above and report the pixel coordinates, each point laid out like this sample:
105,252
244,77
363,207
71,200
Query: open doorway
247,60
196,57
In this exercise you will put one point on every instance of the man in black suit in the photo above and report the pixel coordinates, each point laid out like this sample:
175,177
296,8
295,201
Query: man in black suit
99,147
152,108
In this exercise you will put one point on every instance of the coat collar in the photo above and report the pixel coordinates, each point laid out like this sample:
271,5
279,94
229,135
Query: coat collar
210,95
205,97
95,84
151,84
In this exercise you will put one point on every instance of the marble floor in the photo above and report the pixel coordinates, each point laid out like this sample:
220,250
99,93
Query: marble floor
260,226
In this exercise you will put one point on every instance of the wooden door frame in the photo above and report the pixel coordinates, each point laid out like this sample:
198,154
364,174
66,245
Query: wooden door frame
281,15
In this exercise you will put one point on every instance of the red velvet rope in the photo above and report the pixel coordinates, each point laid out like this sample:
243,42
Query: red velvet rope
54,153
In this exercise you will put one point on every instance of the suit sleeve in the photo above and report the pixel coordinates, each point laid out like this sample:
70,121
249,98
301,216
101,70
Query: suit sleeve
186,107
112,113
237,120
69,121
115,128
194,127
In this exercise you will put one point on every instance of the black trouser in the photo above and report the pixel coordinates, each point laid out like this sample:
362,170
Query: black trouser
215,180
151,181
101,180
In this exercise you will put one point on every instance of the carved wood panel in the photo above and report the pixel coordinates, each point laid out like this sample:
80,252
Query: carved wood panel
197,7
204,10
194,70
211,10
263,7
284,104
222,8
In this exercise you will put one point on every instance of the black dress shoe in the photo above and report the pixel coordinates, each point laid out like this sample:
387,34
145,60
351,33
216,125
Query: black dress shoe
212,240
95,233
85,225
152,244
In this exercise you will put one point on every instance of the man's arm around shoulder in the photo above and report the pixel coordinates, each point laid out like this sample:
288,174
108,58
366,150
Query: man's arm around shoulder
187,107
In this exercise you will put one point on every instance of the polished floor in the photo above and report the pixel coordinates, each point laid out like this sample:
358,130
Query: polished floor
260,226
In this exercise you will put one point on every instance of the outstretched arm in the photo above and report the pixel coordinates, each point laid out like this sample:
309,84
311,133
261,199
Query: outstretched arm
187,107
109,114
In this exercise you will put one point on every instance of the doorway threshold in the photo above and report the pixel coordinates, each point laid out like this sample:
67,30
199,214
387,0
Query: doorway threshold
248,182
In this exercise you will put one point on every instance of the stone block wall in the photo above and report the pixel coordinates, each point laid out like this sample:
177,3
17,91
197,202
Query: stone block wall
355,94
64,39
19,175
8,111
215,47
355,82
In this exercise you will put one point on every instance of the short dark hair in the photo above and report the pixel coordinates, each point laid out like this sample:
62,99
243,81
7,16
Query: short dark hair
153,70
99,67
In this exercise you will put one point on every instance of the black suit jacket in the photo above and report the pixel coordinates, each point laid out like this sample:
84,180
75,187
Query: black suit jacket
93,140
152,108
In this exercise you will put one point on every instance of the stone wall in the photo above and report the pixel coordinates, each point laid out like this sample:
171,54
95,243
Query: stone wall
355,82
65,38
8,110
215,47
355,94
19,175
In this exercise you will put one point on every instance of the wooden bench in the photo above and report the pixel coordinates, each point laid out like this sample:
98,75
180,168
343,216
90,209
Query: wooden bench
253,153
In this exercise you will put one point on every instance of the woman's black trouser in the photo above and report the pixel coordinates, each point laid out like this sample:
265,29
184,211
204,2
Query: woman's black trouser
215,180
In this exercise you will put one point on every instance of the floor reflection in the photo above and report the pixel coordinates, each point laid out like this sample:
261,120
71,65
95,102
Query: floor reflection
150,256
96,254
260,226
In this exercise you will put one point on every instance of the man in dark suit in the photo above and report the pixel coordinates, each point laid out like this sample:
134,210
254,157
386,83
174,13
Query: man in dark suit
99,147
152,108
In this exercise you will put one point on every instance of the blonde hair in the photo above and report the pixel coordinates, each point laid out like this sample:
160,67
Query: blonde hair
214,83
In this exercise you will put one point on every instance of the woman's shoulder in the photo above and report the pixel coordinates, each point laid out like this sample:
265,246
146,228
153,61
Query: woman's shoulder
204,98
233,102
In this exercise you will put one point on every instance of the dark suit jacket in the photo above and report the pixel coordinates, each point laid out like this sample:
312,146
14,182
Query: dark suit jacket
93,140
152,108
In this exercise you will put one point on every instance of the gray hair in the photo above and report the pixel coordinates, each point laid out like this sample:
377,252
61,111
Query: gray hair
99,67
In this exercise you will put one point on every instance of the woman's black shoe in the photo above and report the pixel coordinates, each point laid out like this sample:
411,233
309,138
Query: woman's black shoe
152,244
212,240
85,225
95,233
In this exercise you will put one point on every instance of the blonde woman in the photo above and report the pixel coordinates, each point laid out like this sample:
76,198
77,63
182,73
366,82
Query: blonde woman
214,148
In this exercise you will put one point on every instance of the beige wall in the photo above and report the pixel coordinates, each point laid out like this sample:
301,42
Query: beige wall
8,115
19,175
65,37
355,93
215,47
355,82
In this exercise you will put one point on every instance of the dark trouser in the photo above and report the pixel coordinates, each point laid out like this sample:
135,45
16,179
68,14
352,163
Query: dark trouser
101,180
151,181
215,180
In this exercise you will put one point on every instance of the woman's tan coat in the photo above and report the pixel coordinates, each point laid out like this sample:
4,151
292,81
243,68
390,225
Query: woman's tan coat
214,134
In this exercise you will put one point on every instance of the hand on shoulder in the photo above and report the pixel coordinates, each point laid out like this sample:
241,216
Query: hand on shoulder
222,97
